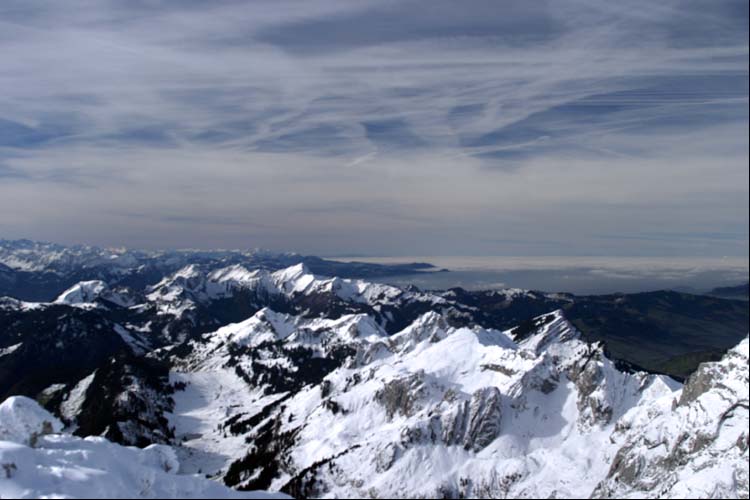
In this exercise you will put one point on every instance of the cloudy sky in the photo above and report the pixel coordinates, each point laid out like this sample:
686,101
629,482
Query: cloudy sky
378,127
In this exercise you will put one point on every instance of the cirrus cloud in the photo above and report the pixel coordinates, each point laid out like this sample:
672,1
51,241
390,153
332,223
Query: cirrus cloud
380,127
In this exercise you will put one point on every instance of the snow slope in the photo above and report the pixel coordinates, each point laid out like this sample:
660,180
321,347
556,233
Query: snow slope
210,398
214,378
39,462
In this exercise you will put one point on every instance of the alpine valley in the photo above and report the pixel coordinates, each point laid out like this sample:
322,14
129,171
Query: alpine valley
226,374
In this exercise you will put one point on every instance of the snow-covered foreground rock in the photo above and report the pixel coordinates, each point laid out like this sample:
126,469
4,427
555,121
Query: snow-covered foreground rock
37,461
337,408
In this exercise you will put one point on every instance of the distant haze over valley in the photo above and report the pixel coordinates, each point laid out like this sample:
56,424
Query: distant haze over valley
580,275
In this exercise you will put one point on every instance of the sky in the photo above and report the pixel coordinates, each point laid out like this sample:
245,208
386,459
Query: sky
378,127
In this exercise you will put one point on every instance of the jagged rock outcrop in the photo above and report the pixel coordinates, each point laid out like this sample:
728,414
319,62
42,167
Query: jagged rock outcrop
400,396
477,423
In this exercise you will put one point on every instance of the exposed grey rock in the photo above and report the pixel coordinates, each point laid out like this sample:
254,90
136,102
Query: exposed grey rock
401,395
472,424
588,376
498,368
544,377
485,412
386,457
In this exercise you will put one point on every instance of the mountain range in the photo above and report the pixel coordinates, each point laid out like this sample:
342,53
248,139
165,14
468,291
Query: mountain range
257,371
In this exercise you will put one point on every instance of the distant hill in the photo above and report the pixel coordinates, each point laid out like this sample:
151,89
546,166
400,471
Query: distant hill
732,292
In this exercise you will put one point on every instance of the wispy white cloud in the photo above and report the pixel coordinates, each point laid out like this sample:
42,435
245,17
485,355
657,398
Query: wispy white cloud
554,124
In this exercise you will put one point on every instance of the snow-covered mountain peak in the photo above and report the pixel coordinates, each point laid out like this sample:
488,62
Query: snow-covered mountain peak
545,330
294,279
362,291
455,404
349,328
84,292
268,325
179,292
170,286
293,289
264,326
431,327
189,276
188,272
90,293
189,286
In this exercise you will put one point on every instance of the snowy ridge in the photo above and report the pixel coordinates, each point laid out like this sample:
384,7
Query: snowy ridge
39,462
94,294
190,286
241,368
34,256
267,327
694,445
83,292
10,349
28,255
433,410
9,303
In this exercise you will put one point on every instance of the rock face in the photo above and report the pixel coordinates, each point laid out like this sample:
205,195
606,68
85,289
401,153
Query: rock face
694,445
477,422
400,396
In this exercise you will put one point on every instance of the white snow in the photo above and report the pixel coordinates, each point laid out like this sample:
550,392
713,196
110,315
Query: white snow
267,325
21,419
210,398
180,292
70,408
10,349
85,292
38,462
